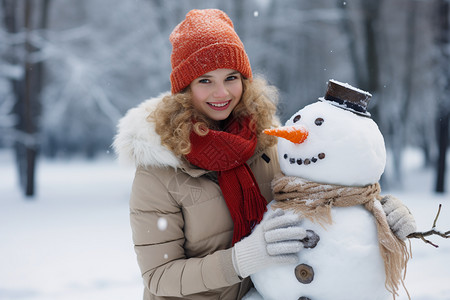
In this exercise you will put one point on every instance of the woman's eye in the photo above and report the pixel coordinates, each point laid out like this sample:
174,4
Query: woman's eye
229,78
319,121
297,118
204,81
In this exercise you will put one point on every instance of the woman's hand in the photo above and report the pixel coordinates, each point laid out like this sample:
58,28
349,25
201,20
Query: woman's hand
398,216
276,240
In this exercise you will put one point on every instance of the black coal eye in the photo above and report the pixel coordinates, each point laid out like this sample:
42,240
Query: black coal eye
297,117
318,121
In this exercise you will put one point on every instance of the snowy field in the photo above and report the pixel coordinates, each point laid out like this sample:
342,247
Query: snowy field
73,241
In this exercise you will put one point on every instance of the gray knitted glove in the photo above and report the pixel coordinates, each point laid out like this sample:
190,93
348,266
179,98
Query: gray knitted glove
276,240
398,216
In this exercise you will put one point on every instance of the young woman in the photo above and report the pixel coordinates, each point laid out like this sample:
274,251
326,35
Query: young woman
204,170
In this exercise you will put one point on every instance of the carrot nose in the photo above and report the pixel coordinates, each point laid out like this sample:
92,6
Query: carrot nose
295,134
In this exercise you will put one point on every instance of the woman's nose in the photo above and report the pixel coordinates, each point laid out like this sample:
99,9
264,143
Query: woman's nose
220,91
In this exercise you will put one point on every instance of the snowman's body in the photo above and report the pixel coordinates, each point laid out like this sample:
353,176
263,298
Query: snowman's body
346,262
340,148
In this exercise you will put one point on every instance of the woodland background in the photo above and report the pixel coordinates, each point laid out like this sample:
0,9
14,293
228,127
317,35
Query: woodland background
70,69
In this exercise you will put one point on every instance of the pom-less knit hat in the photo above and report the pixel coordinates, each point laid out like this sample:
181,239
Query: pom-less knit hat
203,42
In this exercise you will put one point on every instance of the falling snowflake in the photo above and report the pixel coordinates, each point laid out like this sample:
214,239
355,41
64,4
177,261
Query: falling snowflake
162,224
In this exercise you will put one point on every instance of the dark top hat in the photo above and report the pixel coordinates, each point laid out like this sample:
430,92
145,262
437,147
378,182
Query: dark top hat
347,97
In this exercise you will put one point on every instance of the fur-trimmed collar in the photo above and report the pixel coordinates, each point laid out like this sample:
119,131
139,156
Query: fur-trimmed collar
137,142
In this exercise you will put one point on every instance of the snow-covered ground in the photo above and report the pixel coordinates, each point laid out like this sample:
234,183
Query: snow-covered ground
73,240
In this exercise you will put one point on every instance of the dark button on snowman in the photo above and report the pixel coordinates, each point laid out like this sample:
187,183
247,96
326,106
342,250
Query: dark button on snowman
332,155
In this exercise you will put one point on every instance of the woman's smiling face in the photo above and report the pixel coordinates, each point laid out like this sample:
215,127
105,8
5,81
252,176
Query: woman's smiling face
215,94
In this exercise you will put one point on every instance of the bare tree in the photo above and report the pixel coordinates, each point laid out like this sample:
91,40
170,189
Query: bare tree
23,20
405,99
444,90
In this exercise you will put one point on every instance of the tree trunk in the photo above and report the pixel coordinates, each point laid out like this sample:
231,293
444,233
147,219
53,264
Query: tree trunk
444,91
21,16
443,133
398,129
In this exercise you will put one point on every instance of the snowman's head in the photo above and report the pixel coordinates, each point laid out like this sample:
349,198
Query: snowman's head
327,144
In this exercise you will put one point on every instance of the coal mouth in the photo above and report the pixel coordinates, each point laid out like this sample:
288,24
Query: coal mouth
304,161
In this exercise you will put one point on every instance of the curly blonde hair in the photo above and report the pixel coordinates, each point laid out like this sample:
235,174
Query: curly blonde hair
174,114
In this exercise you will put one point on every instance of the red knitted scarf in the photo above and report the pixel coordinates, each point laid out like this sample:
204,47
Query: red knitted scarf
227,152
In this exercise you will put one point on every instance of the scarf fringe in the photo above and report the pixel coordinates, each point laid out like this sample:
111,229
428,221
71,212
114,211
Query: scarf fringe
241,229
254,210
394,251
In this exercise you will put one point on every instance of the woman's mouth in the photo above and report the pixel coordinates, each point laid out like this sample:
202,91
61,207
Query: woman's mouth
219,105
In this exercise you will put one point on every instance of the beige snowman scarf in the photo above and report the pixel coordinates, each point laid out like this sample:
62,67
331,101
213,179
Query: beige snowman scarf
315,201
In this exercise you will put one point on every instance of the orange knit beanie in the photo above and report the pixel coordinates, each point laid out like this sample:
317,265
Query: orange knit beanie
203,42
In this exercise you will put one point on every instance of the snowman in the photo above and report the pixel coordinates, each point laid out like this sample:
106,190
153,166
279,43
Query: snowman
332,155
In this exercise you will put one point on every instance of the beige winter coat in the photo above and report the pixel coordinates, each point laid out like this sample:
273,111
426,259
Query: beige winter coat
181,226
